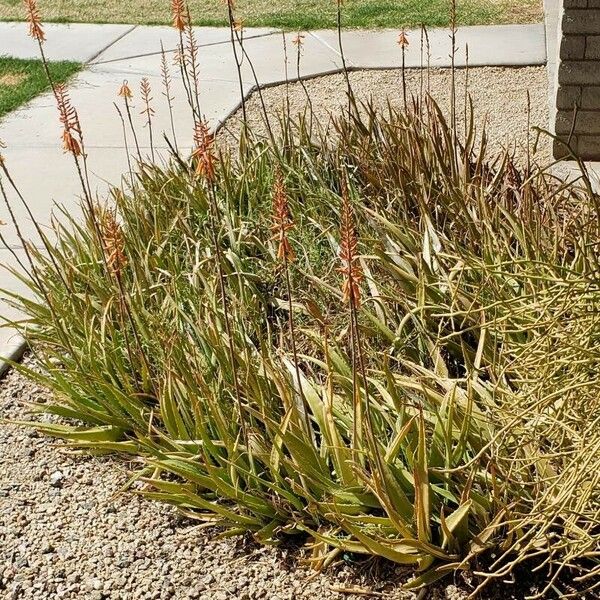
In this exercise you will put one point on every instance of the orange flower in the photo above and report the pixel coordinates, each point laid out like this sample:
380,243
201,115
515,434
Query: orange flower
298,40
178,10
203,154
70,143
238,25
351,269
125,91
34,21
402,40
282,221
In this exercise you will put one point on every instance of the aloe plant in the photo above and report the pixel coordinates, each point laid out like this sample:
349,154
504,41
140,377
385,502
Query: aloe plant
410,371
437,402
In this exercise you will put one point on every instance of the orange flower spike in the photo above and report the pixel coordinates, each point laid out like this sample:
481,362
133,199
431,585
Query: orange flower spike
69,120
350,269
298,40
125,91
238,25
203,154
402,40
113,240
282,221
34,21
179,13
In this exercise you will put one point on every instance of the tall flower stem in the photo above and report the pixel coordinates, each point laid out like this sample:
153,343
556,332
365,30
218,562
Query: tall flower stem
167,81
145,92
452,66
127,95
69,117
238,60
403,43
181,20
205,169
298,41
282,223
240,40
351,99
352,277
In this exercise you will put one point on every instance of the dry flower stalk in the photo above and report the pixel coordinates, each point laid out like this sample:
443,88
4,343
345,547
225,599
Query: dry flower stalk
71,135
146,93
282,221
165,75
191,68
147,110
178,57
351,269
203,154
298,40
179,13
167,81
34,21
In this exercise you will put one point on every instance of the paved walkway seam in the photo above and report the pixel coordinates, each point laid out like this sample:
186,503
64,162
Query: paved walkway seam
159,52
95,56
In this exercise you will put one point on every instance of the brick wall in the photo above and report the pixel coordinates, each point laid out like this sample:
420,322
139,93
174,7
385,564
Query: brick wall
579,80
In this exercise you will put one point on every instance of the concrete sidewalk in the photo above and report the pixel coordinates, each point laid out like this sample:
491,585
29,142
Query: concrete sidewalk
114,53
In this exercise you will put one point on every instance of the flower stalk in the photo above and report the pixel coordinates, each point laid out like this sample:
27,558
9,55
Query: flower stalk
282,224
403,43
148,111
167,81
205,171
127,95
352,276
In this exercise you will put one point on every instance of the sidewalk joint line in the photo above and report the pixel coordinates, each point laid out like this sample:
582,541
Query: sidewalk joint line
119,38
208,45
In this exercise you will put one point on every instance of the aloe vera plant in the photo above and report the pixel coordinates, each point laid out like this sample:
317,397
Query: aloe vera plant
373,335
437,401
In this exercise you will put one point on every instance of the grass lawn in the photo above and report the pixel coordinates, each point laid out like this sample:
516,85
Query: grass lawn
22,80
289,14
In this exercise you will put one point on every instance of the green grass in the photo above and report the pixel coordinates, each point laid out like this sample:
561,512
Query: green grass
289,14
22,80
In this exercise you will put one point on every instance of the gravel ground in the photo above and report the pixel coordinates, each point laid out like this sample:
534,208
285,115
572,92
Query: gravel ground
499,98
68,531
